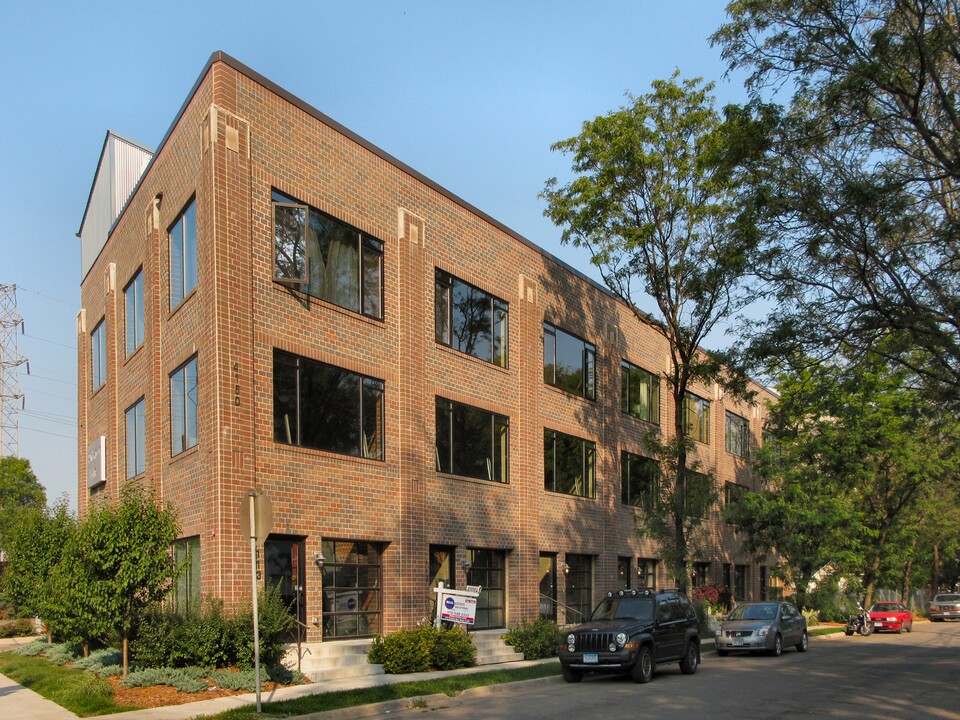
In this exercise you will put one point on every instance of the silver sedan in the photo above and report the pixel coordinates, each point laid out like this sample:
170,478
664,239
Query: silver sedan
766,626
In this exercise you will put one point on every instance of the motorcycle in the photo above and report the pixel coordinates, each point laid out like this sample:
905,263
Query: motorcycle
859,623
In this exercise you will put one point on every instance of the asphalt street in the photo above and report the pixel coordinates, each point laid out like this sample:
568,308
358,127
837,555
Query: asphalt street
911,675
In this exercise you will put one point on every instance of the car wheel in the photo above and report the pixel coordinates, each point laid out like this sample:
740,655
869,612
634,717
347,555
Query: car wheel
571,675
777,648
723,653
910,626
642,671
804,642
691,659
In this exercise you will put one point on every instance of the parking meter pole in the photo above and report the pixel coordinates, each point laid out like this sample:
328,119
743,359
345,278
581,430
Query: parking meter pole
253,575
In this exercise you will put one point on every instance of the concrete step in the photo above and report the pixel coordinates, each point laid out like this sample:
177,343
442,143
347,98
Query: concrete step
491,649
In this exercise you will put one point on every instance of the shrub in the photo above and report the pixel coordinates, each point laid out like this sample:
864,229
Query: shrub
230,680
180,678
86,689
110,670
98,659
32,648
539,639
452,649
285,676
422,649
62,653
275,624
404,651
21,627
813,618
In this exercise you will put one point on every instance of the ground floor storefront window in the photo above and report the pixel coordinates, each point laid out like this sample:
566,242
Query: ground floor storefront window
488,568
352,588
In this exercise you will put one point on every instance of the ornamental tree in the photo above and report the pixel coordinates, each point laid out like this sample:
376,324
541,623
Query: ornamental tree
652,200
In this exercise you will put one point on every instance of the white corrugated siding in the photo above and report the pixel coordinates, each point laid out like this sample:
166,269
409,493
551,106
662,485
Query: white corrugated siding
121,165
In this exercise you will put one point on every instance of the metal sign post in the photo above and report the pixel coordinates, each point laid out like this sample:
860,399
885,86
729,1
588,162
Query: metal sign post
256,517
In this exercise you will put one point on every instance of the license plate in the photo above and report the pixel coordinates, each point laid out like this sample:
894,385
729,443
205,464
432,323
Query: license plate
591,658
738,641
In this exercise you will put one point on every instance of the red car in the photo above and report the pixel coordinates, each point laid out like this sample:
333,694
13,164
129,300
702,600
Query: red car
891,616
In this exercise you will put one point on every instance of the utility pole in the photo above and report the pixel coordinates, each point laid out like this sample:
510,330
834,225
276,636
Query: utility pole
10,360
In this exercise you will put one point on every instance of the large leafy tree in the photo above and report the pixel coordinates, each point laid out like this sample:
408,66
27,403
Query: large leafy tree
651,200
19,491
118,564
859,197
849,458
34,548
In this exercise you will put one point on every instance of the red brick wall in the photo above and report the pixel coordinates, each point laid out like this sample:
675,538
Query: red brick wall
237,139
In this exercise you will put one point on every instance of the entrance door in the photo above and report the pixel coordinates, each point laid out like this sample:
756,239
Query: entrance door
548,586
284,568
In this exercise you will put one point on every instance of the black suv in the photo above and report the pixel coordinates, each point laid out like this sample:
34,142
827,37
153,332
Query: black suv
631,631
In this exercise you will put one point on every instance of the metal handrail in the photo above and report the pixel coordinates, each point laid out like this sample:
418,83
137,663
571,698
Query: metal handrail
558,604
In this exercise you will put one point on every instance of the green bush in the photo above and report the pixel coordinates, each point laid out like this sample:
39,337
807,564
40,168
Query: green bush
22,627
703,623
285,676
539,639
230,680
33,648
421,649
87,689
452,649
180,678
99,659
812,616
275,624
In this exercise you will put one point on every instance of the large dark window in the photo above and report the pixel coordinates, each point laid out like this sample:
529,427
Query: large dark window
639,393
133,312
351,588
327,258
639,479
488,569
183,255
737,435
568,464
470,320
471,442
183,407
696,417
569,363
325,407
185,592
578,574
135,446
98,354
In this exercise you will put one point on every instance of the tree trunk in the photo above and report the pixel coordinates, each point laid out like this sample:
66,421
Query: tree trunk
125,667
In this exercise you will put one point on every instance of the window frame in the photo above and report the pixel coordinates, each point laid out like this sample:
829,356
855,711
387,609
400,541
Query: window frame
135,446
588,362
627,371
369,301
98,354
652,484
183,248
185,419
647,573
696,417
498,456
185,596
588,464
445,286
737,435
370,389
133,315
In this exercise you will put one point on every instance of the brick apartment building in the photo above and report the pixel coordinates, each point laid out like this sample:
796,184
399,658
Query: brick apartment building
271,302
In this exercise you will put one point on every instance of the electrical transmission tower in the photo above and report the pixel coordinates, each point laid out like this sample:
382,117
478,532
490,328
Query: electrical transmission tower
10,360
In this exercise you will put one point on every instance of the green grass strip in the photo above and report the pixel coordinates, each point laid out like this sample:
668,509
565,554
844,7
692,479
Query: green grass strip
450,685
78,691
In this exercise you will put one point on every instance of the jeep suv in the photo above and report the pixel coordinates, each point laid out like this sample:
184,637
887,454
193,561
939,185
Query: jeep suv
632,631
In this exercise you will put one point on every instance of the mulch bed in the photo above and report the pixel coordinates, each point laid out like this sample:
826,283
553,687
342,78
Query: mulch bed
163,695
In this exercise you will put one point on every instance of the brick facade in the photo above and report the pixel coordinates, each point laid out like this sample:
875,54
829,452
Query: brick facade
237,138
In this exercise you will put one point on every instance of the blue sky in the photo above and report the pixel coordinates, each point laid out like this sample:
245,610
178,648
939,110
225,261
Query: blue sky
470,94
